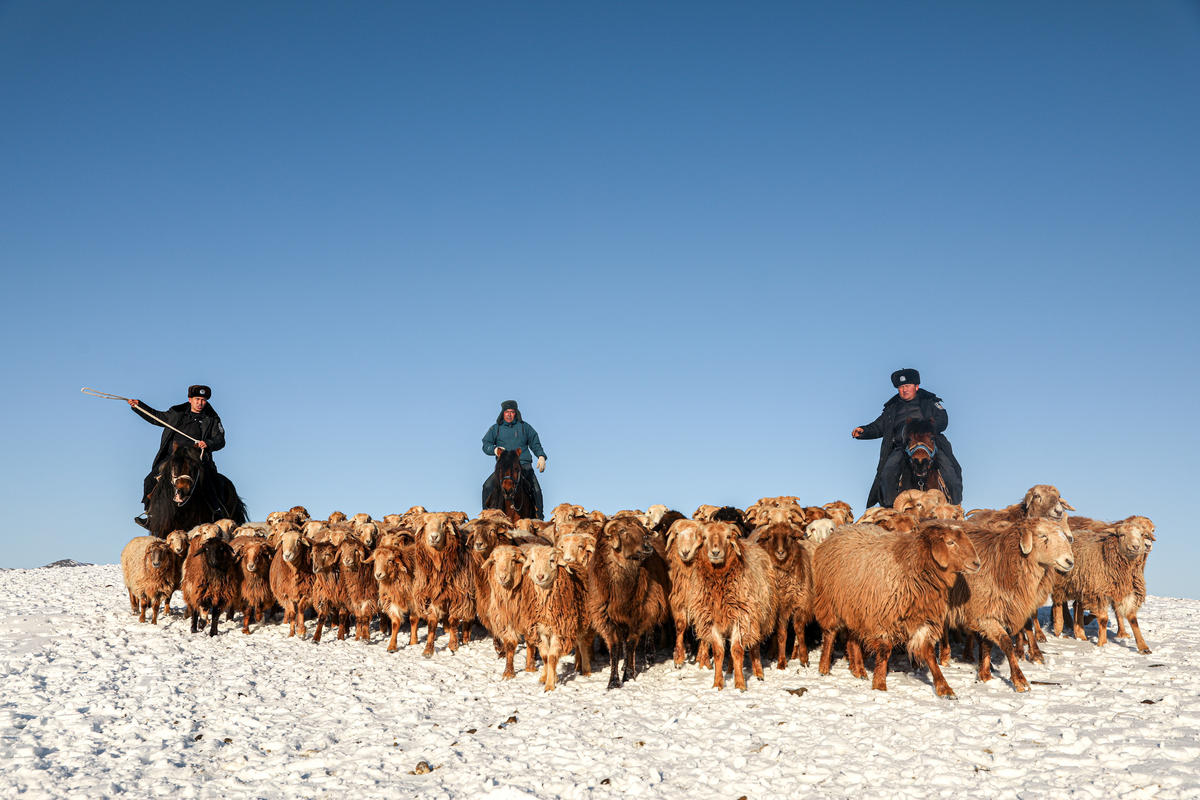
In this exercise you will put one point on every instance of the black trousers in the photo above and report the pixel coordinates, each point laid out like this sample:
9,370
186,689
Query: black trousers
889,477
529,476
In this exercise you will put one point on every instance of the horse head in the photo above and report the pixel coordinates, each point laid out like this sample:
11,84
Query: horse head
920,446
185,470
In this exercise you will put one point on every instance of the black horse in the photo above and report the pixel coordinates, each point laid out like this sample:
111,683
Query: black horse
919,468
189,491
511,493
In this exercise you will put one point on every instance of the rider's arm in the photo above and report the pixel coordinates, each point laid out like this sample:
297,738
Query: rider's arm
532,440
873,430
489,442
940,418
216,437
141,405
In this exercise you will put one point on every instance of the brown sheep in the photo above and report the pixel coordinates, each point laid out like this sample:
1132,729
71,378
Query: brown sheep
995,602
393,571
360,590
292,577
793,583
482,535
840,512
884,589
1042,500
211,580
1108,561
684,541
509,609
627,592
327,595
734,600
254,556
149,567
443,587
560,610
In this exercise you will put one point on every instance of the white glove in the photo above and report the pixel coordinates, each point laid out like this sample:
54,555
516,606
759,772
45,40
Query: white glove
499,450
541,463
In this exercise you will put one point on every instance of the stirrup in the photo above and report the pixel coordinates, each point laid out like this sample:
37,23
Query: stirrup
143,519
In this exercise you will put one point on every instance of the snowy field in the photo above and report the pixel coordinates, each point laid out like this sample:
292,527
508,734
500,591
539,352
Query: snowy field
95,704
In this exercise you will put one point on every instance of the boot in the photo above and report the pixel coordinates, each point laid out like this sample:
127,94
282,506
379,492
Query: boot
143,519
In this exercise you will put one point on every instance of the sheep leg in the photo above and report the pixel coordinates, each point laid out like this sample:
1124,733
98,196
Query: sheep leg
551,670
1137,635
614,644
985,659
394,624
583,655
1102,622
680,653
718,649
452,629
826,663
141,609
531,639
343,621
133,603
215,617
1037,628
630,670
737,653
1057,611
431,623
1077,617
993,631
510,653
1032,631
883,651
940,685
413,621
195,619
781,654
800,648
320,627
247,618
854,657
154,608
756,662
704,655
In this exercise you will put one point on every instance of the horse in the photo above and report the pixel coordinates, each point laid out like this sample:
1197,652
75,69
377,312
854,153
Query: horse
510,493
186,491
919,468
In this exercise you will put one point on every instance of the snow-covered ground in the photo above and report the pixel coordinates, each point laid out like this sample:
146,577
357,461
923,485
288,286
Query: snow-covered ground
95,704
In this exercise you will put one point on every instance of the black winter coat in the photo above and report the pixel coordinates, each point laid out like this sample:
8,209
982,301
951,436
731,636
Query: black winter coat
887,426
205,426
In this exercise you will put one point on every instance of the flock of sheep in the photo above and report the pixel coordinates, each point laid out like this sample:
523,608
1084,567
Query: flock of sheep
906,576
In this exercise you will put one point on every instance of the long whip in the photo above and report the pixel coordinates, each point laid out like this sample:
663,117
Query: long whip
138,408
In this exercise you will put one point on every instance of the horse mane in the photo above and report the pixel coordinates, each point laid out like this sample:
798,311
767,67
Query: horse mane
916,427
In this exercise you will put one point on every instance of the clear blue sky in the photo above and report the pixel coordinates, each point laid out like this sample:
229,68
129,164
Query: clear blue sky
692,239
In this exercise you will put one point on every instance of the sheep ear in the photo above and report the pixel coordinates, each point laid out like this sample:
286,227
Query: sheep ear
1066,505
1027,540
940,552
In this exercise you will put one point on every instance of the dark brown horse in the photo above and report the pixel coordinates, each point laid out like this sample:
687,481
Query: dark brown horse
510,491
189,491
919,469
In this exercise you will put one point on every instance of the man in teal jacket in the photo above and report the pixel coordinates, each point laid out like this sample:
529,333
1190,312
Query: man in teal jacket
512,433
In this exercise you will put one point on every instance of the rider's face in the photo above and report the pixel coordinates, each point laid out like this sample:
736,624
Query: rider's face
509,414
198,404
907,391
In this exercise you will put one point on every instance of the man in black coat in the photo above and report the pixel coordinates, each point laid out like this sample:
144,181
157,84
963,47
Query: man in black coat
197,419
910,402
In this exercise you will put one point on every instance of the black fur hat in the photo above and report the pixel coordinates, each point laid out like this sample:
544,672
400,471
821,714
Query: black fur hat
199,390
907,375
505,406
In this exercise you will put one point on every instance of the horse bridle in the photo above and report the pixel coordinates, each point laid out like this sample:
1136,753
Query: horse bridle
930,449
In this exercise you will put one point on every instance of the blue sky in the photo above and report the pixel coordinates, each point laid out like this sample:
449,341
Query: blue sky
692,240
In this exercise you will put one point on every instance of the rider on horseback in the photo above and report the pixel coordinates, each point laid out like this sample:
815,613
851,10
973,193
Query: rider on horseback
512,433
910,402
196,418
